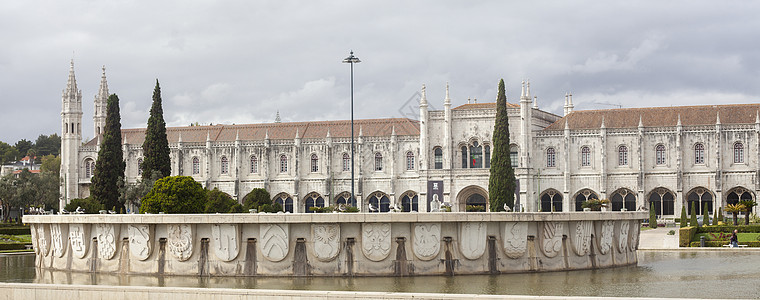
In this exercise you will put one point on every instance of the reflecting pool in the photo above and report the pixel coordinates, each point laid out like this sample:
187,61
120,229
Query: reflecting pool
699,274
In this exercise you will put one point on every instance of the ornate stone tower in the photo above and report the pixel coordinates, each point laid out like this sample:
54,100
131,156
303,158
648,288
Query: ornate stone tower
71,138
99,116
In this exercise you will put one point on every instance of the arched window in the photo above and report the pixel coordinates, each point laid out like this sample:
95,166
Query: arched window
623,198
285,201
66,127
409,203
551,201
438,158
254,164
738,153
380,202
378,161
464,157
550,158
139,167
346,199
738,194
663,200
225,165
700,197
313,200
477,200
346,162
196,165
622,155
409,160
476,155
584,196
89,168
585,156
314,163
487,156
660,154
699,153
513,156
283,164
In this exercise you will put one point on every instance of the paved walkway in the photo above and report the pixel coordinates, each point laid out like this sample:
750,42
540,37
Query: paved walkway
658,239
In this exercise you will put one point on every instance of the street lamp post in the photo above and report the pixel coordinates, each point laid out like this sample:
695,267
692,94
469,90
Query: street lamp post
351,59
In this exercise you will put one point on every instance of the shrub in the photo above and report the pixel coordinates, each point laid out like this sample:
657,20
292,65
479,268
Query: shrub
685,235
705,216
90,205
693,220
721,243
595,204
219,202
317,209
684,218
256,198
351,209
271,208
652,216
475,208
174,195
237,208
15,230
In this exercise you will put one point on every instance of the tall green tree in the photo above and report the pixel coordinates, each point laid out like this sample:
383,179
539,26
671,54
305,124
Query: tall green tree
23,146
47,144
693,221
705,216
156,146
684,217
109,168
501,183
652,217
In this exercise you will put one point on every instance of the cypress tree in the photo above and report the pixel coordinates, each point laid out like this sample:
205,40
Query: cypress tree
156,146
684,217
719,216
501,183
705,216
109,168
693,221
652,217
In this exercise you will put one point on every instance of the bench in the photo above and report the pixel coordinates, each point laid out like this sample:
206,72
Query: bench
729,246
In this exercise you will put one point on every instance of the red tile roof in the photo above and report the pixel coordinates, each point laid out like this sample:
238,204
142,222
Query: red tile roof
659,116
306,130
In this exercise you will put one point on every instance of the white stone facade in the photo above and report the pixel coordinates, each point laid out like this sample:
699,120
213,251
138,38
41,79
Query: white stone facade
662,162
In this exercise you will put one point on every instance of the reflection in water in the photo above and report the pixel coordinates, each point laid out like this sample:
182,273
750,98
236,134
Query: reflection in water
715,274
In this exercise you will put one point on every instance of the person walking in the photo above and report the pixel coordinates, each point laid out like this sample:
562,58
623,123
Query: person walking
734,239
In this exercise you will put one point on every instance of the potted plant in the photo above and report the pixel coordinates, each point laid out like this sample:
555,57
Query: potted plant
595,204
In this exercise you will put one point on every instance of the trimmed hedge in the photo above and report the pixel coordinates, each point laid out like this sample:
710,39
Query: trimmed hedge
12,246
729,228
685,235
721,243
15,230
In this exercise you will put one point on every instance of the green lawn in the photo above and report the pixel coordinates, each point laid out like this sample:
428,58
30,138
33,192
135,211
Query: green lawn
743,237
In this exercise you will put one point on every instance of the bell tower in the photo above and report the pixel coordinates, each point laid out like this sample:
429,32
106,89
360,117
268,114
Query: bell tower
71,138
99,116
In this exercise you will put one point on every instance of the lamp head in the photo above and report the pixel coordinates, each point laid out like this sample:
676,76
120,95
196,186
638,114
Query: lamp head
351,59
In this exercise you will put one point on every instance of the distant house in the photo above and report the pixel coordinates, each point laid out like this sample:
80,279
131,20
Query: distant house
30,163
18,172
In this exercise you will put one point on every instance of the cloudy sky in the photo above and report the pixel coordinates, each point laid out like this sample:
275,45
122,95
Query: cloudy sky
242,61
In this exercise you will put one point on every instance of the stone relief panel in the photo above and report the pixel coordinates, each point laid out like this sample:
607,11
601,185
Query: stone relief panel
551,239
180,241
107,235
78,239
226,239
139,240
625,227
326,239
606,236
581,237
274,241
472,239
376,240
634,235
426,239
33,232
43,239
515,238
59,245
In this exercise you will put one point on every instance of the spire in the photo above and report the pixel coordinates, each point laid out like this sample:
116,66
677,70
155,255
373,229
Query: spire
100,103
123,142
277,117
393,130
103,90
266,134
535,102
328,132
717,118
570,105
679,121
208,136
567,126
527,89
179,140
522,89
423,98
757,117
237,135
602,123
298,136
447,101
360,131
641,124
71,83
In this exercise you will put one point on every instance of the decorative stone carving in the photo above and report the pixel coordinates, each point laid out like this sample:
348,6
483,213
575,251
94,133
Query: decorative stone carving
581,237
605,238
59,245
43,239
180,241
274,241
551,239
515,238
326,239
33,232
107,235
623,239
139,240
426,240
78,240
376,240
634,235
226,241
472,239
